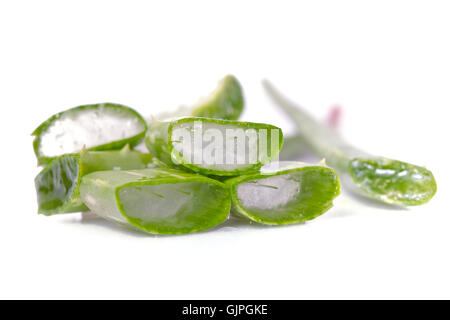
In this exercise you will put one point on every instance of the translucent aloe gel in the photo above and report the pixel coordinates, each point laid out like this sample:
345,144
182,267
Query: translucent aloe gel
161,201
295,192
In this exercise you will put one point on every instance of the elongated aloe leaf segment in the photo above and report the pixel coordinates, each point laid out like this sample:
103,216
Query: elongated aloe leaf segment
163,201
213,146
390,181
57,185
294,192
225,102
105,126
293,148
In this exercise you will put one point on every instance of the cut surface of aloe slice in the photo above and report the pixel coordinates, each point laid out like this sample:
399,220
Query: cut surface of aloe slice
57,185
225,102
162,201
213,146
295,192
103,126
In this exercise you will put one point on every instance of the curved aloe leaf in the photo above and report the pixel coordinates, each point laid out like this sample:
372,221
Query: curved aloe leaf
225,102
293,148
103,126
57,185
295,192
163,201
213,146
379,178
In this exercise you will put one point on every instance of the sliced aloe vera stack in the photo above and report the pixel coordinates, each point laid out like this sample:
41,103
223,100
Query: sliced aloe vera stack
295,192
213,146
103,126
225,102
57,185
163,201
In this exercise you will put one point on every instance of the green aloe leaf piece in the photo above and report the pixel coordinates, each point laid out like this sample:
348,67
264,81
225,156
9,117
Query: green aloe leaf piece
57,185
213,146
225,102
386,180
162,201
293,148
294,192
105,126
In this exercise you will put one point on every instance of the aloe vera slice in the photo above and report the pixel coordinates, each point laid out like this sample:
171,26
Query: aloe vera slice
213,146
225,102
57,185
295,192
163,201
103,126
379,178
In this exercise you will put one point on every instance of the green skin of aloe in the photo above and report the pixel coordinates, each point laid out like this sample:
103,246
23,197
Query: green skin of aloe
161,143
128,116
311,190
57,185
225,102
293,148
382,179
158,200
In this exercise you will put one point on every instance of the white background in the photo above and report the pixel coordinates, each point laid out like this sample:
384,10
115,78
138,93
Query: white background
387,63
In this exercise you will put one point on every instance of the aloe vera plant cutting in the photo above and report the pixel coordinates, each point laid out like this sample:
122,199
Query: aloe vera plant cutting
213,146
104,126
225,102
291,193
203,164
57,185
162,201
383,179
